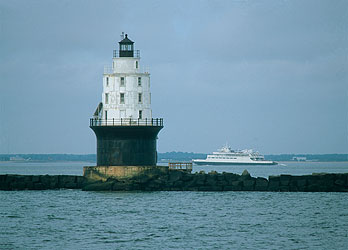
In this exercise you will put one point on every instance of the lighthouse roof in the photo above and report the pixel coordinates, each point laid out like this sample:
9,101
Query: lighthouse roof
126,40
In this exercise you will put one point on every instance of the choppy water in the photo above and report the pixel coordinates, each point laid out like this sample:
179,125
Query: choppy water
73,219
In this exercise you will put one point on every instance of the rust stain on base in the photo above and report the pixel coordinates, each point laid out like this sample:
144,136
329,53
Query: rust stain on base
119,172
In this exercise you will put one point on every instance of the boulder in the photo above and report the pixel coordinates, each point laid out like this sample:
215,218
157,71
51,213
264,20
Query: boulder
273,183
175,175
248,185
285,179
284,188
245,175
98,186
36,178
186,177
199,179
261,184
2,178
38,186
211,180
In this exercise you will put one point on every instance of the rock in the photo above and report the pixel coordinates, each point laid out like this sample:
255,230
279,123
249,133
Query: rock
2,178
285,179
273,183
142,178
80,180
222,183
221,178
211,180
175,175
199,179
245,173
284,188
191,185
293,188
38,186
195,189
298,183
123,186
178,184
228,188
30,185
248,185
312,179
36,178
10,178
236,186
99,186
46,181
261,184
70,185
216,188
229,177
186,177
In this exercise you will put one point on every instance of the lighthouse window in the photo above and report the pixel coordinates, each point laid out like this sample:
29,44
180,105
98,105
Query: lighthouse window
121,97
122,81
140,114
136,64
139,81
107,81
106,98
139,98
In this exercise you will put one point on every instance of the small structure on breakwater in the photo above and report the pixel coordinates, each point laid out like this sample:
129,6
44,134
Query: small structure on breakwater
123,124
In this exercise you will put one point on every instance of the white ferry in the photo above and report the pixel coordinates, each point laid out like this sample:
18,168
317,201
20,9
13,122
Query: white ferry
226,156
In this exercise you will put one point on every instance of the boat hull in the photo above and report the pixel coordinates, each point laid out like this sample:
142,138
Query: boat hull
234,163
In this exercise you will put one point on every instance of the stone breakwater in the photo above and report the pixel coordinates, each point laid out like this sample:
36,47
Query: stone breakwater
41,182
176,180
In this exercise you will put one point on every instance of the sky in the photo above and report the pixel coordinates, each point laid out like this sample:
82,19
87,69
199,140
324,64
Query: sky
270,75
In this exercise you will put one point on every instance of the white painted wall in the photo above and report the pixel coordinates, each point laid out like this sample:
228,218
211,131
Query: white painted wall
126,67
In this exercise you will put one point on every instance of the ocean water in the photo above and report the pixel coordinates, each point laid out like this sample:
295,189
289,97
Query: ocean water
73,219
76,168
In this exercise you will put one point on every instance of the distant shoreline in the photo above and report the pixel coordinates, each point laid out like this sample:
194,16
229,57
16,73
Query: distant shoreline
168,156
44,161
159,162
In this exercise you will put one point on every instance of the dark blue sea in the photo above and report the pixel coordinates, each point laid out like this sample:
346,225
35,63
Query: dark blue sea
74,219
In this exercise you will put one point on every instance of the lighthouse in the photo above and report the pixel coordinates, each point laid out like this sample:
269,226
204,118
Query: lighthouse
123,124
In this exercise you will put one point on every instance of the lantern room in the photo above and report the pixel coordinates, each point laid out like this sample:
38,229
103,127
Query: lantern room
126,47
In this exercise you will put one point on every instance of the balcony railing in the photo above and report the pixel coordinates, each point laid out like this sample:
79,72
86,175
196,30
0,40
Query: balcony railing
126,122
135,54
185,166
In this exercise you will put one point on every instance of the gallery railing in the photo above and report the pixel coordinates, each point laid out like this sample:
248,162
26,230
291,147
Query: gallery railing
126,122
186,166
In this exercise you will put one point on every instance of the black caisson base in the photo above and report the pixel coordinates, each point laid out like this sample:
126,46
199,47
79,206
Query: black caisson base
126,145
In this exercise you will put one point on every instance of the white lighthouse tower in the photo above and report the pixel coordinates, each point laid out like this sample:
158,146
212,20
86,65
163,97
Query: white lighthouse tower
123,124
126,90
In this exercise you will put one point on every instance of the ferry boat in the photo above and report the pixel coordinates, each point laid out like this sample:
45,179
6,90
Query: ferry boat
227,156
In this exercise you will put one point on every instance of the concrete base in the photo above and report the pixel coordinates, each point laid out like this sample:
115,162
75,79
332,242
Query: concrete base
119,172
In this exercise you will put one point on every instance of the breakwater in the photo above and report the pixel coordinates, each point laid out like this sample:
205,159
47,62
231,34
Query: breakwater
176,180
41,182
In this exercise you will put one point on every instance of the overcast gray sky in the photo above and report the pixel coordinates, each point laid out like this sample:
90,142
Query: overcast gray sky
267,75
